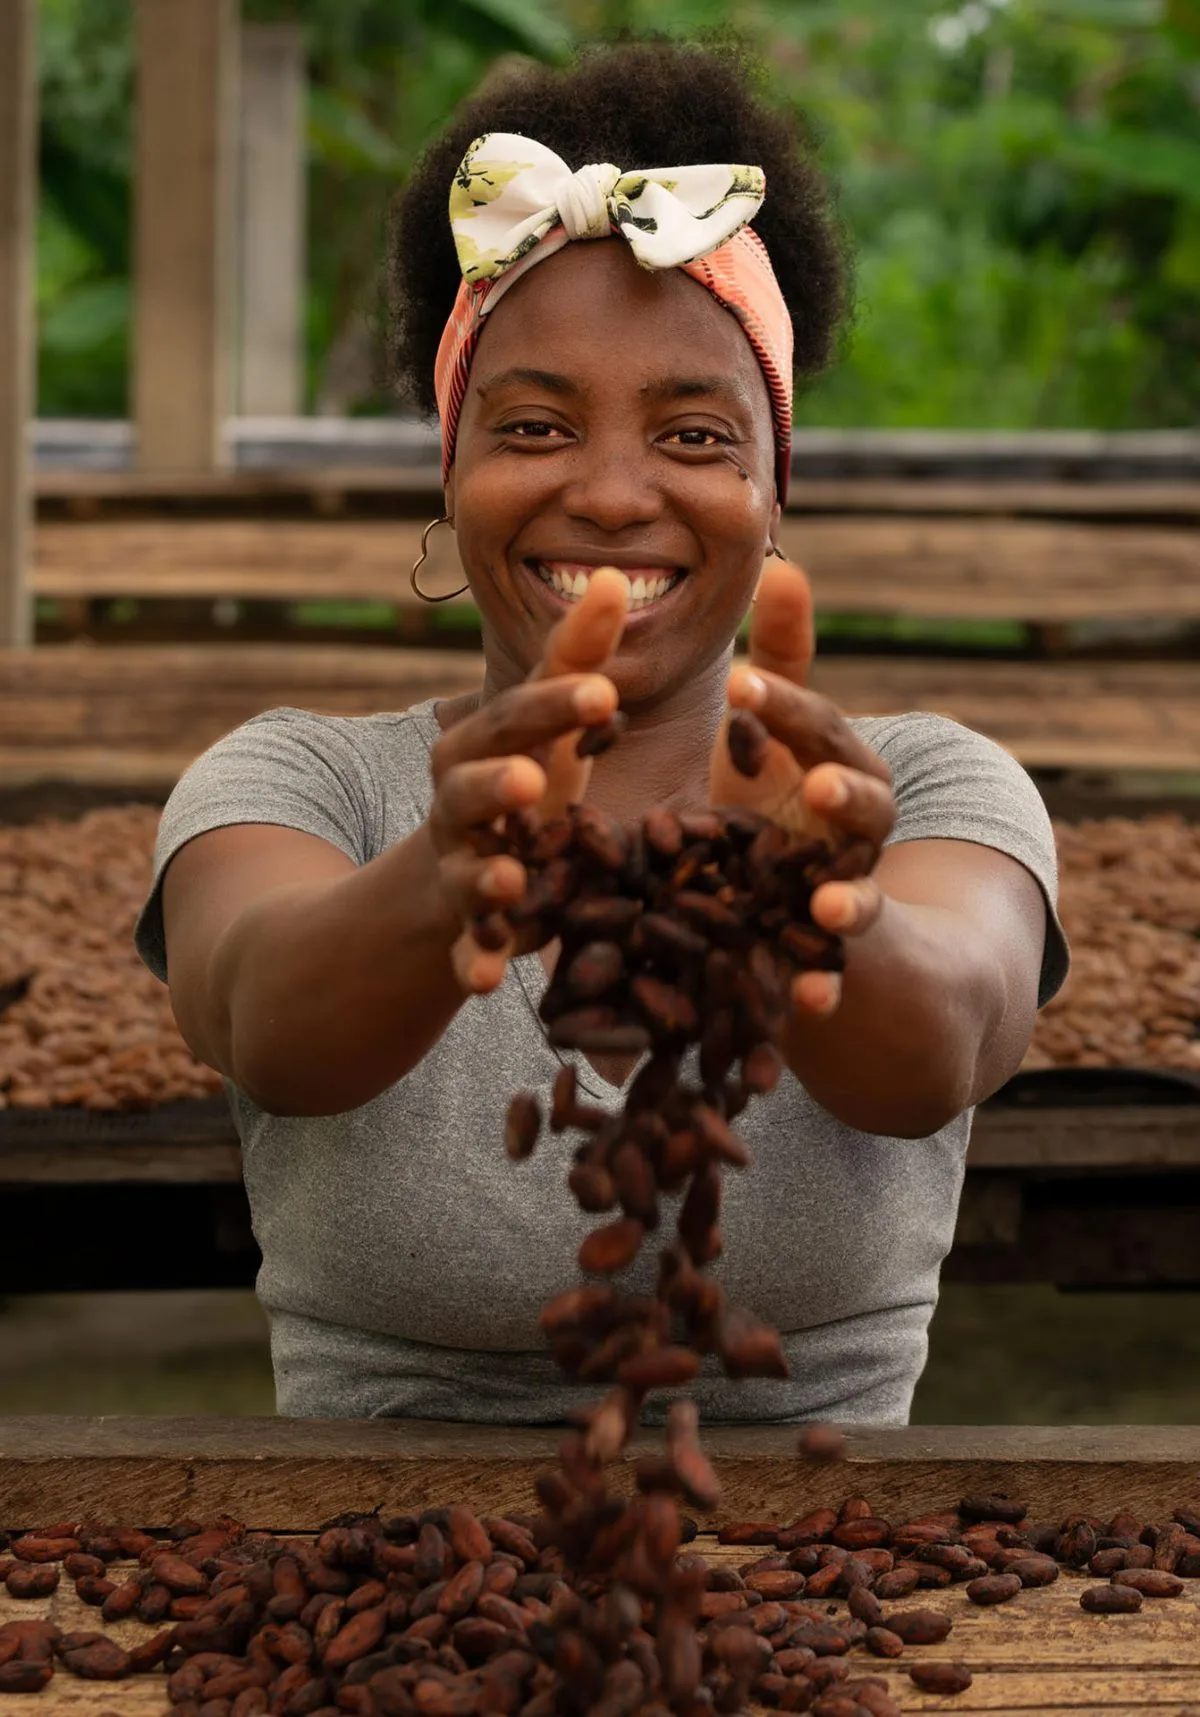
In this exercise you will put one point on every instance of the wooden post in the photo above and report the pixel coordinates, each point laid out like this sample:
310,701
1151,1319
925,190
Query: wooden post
18,182
184,240
271,221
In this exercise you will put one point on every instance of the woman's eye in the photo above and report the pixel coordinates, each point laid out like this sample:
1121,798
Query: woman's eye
700,438
531,429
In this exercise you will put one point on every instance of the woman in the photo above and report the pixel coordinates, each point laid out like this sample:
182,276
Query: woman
614,378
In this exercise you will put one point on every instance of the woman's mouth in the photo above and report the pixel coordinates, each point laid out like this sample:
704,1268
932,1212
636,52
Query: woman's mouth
569,580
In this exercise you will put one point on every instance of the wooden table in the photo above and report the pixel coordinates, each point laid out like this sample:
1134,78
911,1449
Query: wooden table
1041,1653
1082,1195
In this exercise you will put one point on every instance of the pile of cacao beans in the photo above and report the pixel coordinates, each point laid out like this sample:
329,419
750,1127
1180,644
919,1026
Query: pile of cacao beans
86,1024
446,1614
83,1022
1130,903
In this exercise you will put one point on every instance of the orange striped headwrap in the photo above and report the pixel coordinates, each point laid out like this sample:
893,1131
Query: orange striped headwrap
522,198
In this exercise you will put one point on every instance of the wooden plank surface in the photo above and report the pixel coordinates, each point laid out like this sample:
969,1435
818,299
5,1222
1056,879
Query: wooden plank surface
205,1151
413,483
184,188
137,714
925,567
295,1474
1039,1653
1143,1137
18,193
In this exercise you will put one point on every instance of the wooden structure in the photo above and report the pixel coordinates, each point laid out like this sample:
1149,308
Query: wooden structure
1047,554
185,187
1039,1654
1082,1196
270,225
18,178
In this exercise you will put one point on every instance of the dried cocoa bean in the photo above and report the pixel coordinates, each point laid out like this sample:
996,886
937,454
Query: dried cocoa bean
1110,1600
941,1677
883,1642
1150,1582
103,1661
994,1588
21,1677
35,1547
32,1579
820,1442
921,1627
993,1508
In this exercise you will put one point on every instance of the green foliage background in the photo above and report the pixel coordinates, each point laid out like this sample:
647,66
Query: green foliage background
1021,180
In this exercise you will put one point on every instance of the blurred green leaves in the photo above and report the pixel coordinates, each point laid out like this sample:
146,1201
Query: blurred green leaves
1021,180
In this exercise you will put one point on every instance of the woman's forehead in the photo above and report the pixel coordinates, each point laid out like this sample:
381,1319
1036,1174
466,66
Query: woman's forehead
589,313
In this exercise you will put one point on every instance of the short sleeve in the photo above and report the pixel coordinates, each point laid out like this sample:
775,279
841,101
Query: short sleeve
288,767
952,784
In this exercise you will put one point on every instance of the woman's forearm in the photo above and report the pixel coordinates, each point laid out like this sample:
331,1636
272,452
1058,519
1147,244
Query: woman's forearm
901,1054
329,992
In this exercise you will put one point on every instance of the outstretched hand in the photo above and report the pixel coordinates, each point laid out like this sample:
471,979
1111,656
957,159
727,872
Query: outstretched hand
519,750
819,779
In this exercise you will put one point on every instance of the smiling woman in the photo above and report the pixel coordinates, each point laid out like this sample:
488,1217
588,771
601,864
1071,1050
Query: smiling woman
607,282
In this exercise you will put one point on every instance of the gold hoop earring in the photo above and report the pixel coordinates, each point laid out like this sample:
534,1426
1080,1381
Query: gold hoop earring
423,557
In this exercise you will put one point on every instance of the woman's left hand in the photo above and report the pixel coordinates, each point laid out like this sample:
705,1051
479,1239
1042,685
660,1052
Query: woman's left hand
819,779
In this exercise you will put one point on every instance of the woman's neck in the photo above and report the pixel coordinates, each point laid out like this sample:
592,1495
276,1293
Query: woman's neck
663,754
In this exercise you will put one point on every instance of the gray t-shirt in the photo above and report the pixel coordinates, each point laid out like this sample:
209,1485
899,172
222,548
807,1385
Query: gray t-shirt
405,1259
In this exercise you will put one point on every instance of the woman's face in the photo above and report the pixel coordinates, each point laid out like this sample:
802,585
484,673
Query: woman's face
614,416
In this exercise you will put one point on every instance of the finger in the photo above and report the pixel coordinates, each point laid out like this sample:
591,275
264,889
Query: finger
590,630
473,794
814,730
475,887
818,993
526,718
856,803
478,970
848,908
781,622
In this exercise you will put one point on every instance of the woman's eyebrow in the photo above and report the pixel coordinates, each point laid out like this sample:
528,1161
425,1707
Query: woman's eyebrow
549,380
693,387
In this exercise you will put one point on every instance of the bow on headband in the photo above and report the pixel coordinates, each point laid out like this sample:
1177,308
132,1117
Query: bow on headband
514,203
510,192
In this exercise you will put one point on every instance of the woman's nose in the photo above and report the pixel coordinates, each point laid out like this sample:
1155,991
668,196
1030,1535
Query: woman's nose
613,487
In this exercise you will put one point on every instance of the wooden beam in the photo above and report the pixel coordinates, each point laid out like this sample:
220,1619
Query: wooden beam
186,140
271,220
136,714
295,1474
415,486
18,192
924,568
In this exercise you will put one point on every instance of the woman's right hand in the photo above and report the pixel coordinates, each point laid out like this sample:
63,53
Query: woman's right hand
519,749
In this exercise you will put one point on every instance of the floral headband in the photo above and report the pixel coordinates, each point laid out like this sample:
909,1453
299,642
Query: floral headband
514,203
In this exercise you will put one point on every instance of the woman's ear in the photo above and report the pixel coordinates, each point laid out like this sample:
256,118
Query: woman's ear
773,528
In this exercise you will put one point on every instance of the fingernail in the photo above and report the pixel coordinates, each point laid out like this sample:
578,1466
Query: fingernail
491,882
753,688
592,697
833,993
841,911
835,791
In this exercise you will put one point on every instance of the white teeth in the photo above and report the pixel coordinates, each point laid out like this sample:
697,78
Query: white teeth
572,585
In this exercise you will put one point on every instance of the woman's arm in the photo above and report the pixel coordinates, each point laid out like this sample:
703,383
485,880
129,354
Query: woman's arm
314,984
939,995
311,983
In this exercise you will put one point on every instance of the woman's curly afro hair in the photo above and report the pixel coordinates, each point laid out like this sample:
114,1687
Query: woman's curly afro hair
646,103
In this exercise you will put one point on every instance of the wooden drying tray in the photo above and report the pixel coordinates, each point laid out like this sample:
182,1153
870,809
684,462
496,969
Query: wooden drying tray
137,714
1039,1654
933,564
